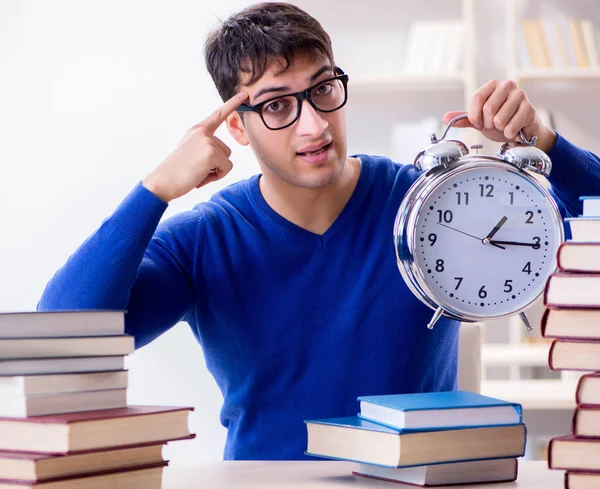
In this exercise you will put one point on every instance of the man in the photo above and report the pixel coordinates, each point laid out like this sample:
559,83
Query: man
288,279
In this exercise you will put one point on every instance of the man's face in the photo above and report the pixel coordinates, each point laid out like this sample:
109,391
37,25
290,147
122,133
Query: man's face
311,152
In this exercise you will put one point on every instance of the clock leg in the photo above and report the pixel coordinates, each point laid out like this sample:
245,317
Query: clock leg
436,316
525,321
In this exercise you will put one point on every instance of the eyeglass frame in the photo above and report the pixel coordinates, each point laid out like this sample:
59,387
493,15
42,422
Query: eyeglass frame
300,97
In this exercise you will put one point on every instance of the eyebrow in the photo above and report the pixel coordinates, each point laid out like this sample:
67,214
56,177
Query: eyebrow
285,89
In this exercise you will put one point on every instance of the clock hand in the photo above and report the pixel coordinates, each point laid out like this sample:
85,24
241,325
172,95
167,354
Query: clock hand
497,227
535,246
470,235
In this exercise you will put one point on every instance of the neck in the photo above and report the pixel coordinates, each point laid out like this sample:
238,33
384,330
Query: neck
313,209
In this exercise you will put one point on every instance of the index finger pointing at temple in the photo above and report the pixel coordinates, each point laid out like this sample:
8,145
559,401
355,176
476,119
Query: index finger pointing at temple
213,121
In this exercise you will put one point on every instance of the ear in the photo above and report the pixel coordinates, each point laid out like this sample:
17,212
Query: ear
236,128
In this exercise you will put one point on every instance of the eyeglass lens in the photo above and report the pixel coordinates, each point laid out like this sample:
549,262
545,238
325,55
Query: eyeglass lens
327,97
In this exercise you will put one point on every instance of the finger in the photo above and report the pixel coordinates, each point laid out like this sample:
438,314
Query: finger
448,116
220,144
213,121
499,97
505,115
217,173
478,100
524,117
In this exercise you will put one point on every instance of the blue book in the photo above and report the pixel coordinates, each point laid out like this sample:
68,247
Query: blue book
439,410
358,440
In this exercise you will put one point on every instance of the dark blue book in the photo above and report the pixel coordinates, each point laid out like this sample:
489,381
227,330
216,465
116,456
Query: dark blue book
439,410
358,440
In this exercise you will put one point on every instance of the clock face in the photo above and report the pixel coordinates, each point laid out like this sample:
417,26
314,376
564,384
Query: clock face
486,241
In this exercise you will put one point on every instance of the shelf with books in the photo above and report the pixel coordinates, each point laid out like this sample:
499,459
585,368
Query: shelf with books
556,39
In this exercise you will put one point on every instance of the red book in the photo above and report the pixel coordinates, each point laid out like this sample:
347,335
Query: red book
569,452
574,290
568,323
573,256
587,392
586,421
81,431
582,480
574,355
145,476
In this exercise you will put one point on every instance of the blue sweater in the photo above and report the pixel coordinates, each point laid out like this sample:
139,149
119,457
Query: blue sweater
293,325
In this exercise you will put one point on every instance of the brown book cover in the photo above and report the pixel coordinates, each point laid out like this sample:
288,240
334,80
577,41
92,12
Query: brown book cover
100,414
107,428
78,478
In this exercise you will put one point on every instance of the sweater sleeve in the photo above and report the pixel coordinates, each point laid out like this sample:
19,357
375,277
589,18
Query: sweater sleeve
132,263
575,172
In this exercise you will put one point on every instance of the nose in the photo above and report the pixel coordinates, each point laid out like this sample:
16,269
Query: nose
310,122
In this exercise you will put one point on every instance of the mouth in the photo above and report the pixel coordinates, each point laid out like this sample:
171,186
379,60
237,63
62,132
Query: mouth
316,151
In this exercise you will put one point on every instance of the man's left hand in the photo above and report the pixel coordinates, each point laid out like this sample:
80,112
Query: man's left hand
499,109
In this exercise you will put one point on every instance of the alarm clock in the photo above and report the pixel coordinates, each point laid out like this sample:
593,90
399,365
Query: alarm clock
476,236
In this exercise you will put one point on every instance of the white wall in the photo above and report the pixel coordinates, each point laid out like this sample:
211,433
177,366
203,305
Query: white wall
94,94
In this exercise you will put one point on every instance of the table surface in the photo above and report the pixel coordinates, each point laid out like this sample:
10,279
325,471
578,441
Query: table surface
323,475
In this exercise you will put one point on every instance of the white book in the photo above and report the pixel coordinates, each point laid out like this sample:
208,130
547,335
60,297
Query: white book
33,366
591,206
37,385
66,347
28,324
71,402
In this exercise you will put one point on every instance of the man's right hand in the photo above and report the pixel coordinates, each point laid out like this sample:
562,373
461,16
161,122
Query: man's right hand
199,158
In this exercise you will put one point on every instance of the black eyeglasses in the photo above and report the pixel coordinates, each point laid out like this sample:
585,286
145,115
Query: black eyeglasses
282,111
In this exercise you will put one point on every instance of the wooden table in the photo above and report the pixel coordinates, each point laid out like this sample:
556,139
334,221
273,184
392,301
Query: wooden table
322,475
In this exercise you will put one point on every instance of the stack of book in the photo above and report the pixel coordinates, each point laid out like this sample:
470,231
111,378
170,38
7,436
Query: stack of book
572,320
426,439
64,418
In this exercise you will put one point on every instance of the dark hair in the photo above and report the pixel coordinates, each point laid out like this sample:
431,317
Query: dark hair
258,35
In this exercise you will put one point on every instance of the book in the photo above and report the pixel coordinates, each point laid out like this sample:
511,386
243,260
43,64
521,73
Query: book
591,205
81,431
587,391
574,355
66,347
582,480
148,477
567,452
584,229
567,289
480,471
36,467
437,410
30,324
37,366
571,323
358,440
586,421
575,256
37,385
66,402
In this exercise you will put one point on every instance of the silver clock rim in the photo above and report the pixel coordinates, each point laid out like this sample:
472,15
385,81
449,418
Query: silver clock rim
405,242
